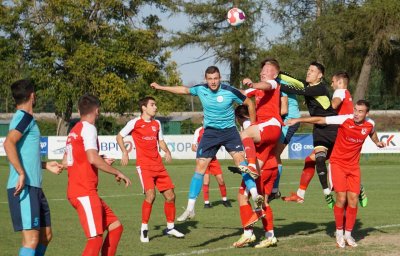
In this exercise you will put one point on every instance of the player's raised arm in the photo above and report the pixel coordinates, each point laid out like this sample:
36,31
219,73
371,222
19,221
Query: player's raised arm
98,162
171,89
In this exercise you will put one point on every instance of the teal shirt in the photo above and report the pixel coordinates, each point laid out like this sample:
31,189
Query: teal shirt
28,149
218,106
293,106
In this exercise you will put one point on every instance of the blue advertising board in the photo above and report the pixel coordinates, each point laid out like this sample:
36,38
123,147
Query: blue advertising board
44,146
300,146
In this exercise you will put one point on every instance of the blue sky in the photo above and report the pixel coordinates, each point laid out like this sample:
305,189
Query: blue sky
194,72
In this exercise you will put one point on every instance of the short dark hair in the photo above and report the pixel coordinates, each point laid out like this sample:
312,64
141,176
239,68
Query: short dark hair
242,112
272,62
320,67
212,70
363,103
342,75
21,90
87,103
144,101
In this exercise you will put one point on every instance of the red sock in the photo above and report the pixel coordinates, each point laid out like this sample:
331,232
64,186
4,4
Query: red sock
146,211
245,213
351,215
111,242
206,193
170,211
339,216
308,173
93,246
222,189
250,150
268,221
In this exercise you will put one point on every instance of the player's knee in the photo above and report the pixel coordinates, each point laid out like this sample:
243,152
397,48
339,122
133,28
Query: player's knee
320,159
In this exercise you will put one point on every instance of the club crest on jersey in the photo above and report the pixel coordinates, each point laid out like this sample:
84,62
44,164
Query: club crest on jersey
153,128
220,99
363,131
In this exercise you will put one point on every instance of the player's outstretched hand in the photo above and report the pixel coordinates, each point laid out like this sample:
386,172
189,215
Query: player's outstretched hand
247,82
54,167
120,176
154,85
380,144
291,122
168,157
20,184
124,159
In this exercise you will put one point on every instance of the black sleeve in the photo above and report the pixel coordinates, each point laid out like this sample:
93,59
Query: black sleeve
318,90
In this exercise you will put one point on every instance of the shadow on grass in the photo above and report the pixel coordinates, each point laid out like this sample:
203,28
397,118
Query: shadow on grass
220,203
183,227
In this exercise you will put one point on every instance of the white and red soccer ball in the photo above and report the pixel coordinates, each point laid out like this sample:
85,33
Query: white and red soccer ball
235,16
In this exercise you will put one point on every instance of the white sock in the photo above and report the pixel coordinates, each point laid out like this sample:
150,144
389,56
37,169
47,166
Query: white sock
144,227
301,193
248,232
269,233
206,202
347,234
224,198
254,193
339,232
190,206
327,191
170,225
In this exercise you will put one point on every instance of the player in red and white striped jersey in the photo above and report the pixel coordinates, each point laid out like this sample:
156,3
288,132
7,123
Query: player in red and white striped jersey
83,161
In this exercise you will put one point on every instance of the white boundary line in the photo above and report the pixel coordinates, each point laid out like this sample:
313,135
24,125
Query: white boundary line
204,251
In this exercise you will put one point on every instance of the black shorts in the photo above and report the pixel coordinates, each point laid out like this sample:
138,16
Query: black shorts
325,135
213,139
29,209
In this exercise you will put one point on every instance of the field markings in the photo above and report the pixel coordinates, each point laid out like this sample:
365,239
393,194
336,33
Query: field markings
204,251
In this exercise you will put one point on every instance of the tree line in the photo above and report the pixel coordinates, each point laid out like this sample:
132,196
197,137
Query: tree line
111,49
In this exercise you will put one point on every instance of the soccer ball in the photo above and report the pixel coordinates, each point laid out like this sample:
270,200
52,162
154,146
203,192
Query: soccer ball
235,16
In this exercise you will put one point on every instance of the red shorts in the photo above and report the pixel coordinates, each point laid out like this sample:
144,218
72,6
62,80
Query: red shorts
345,178
268,177
94,214
214,168
270,132
154,176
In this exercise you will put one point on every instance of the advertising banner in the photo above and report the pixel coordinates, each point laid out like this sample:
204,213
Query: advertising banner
300,146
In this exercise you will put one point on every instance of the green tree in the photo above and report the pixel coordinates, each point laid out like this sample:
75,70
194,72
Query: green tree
99,47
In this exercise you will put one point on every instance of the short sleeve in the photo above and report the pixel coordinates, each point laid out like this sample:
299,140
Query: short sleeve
339,93
128,128
89,135
160,133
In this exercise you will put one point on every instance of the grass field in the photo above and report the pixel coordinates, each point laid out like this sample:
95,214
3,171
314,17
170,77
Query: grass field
301,229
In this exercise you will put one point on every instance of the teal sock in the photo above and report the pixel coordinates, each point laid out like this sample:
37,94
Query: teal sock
25,251
278,177
195,185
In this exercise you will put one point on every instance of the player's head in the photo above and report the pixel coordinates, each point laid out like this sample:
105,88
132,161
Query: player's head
315,73
242,114
340,80
213,77
361,110
89,105
147,106
269,69
23,91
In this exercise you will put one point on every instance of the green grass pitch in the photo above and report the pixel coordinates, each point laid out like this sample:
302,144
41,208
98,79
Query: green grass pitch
301,229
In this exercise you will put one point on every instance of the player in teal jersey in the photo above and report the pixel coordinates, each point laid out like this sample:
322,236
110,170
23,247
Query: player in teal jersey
29,209
218,101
